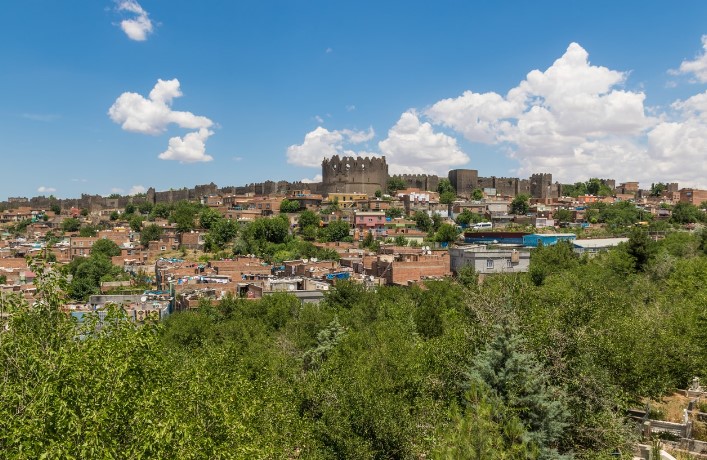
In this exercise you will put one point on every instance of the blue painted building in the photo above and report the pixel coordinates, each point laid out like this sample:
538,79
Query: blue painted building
549,239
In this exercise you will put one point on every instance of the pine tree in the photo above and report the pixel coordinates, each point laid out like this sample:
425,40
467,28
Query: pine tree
518,381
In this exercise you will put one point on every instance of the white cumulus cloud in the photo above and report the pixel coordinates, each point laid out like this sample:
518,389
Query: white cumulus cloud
138,27
414,147
189,149
322,143
44,189
317,178
135,189
570,119
696,67
154,114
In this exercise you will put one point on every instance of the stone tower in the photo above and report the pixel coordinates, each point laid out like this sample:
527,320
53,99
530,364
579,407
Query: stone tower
354,175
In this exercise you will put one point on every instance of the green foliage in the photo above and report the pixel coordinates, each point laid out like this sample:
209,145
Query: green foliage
70,224
106,247
84,212
447,233
55,208
394,212
437,221
477,194
400,240
395,184
151,232
3,279
640,248
88,230
563,215
445,186
114,215
221,232
208,217
136,224
184,214
447,197
422,220
378,194
160,210
467,217
336,230
145,207
658,189
454,369
520,205
308,218
130,209
516,377
546,260
289,206
686,213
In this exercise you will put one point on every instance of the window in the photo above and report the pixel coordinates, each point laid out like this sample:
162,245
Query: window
489,264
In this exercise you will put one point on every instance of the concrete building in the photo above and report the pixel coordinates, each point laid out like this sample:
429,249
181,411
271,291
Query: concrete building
487,261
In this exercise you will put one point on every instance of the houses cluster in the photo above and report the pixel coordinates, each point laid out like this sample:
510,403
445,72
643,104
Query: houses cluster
404,256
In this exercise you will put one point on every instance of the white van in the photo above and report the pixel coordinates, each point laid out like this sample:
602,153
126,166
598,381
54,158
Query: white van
483,226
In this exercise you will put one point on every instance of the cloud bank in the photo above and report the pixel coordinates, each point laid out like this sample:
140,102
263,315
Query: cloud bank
574,119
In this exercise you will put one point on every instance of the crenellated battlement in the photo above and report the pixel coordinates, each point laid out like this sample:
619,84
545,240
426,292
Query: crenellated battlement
354,174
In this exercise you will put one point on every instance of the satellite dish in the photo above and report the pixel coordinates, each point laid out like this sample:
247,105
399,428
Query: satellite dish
143,298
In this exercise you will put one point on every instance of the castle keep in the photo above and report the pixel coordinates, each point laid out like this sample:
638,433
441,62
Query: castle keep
354,175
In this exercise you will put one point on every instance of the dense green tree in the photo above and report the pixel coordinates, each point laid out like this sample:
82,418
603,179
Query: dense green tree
71,224
447,197
114,215
395,184
447,233
563,215
467,217
208,217
55,208
520,205
289,206
640,248
88,230
685,213
308,218
437,221
184,215
160,210
151,232
445,186
222,232
136,223
517,378
400,240
336,230
477,194
394,212
658,189
378,194
84,212
422,220
130,209
106,247
546,260
145,207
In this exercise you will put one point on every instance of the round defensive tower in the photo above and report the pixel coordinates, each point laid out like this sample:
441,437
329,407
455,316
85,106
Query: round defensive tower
354,175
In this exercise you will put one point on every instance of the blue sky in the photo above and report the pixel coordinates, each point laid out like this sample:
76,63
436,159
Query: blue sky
255,90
